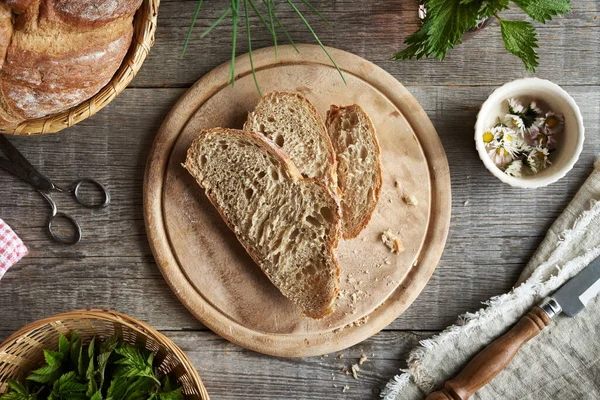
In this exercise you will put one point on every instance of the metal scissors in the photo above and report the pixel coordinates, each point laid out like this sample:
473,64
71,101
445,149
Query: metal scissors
18,165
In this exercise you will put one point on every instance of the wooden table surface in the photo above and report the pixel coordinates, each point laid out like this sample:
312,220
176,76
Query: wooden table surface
494,228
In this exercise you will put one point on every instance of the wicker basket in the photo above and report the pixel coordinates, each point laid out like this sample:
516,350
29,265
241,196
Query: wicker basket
22,352
143,38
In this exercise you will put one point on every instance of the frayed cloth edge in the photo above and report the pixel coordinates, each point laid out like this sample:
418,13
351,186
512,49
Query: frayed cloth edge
534,287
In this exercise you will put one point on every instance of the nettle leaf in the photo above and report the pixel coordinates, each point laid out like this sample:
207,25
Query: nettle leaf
521,40
491,7
417,44
17,391
81,368
176,394
75,350
97,396
17,387
52,357
90,374
135,363
45,374
451,20
106,349
139,388
167,385
64,346
67,384
117,388
16,396
542,10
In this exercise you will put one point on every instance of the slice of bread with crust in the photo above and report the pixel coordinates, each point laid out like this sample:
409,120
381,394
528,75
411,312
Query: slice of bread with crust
292,122
288,224
359,171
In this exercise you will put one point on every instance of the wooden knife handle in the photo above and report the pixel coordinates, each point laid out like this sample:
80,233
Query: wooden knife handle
491,360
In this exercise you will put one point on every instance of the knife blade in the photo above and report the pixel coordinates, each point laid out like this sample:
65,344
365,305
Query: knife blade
570,299
575,295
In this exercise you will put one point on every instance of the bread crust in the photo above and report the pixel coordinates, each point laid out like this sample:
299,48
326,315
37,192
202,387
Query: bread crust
295,174
88,14
331,178
56,54
35,84
334,113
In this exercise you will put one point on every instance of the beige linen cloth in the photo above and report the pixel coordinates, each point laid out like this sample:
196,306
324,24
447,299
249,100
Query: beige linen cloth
563,361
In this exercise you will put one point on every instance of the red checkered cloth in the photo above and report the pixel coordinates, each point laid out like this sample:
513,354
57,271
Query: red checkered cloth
12,248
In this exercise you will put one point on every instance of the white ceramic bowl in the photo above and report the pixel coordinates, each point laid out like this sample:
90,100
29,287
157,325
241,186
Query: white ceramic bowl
569,145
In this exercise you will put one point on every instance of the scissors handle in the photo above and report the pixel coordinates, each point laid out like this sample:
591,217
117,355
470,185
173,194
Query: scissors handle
76,238
76,189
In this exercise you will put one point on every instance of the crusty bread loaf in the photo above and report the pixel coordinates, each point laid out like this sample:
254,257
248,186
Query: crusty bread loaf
288,224
291,122
359,171
59,53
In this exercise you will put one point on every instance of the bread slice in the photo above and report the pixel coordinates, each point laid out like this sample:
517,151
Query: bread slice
358,165
288,224
291,122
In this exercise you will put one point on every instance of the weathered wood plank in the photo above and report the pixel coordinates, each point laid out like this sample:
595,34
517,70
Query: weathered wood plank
569,46
490,238
230,372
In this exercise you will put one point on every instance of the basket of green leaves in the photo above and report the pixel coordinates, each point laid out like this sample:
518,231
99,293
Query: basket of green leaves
96,355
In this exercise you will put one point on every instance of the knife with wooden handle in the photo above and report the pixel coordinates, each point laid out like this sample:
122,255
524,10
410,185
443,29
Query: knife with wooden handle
570,299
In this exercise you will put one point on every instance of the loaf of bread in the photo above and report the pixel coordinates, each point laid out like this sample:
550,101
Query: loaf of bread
359,170
288,224
291,122
55,54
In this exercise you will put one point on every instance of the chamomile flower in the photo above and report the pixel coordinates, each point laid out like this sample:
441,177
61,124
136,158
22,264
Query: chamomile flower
512,141
515,121
537,159
500,156
553,123
490,136
534,106
515,168
515,107
541,138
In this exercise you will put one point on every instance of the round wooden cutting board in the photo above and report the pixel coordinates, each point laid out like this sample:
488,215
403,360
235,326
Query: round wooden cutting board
209,270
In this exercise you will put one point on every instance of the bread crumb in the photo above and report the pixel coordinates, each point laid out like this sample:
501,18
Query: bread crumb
397,184
392,240
411,200
346,388
334,385
355,369
466,203
388,262
341,355
362,359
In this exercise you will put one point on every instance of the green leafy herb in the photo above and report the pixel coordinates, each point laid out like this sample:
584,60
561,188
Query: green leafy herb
17,392
269,23
542,10
520,39
110,369
447,21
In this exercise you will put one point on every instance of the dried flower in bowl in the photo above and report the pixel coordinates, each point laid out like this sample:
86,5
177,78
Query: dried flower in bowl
521,142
